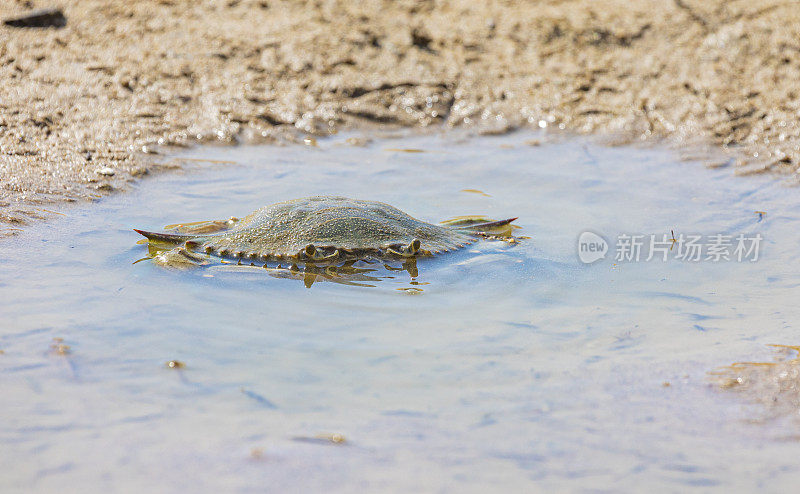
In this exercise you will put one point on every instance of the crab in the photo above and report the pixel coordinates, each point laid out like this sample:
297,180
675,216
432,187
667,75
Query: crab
318,231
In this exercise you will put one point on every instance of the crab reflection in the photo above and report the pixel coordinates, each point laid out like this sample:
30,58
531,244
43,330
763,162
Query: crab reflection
361,272
354,273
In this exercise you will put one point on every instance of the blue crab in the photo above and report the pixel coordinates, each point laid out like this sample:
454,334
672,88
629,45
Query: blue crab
320,230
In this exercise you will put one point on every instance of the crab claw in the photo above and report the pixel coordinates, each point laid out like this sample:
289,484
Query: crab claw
409,250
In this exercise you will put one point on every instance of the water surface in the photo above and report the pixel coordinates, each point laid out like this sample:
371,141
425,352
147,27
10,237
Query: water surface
506,367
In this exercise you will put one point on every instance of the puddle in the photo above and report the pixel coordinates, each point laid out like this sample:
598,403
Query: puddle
489,368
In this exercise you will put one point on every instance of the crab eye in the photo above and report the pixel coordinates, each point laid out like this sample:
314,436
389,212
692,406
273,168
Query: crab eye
415,245
310,249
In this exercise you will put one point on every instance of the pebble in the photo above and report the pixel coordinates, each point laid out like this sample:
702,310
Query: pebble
105,171
39,18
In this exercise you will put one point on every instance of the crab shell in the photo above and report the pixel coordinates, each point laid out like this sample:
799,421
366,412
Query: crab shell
326,228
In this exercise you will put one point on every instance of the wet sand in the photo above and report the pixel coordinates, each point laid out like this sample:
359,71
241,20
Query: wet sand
83,107
773,385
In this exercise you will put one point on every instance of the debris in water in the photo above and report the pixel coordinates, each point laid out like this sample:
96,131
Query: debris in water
334,438
59,348
358,141
476,191
411,290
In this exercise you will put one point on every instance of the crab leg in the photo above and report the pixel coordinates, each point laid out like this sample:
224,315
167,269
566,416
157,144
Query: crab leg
173,238
485,226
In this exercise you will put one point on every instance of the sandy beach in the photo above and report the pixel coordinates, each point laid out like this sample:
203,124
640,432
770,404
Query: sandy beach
84,107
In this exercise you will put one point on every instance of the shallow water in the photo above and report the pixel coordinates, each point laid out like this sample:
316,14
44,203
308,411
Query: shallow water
506,367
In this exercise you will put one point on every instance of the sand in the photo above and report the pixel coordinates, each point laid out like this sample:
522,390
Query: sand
85,107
